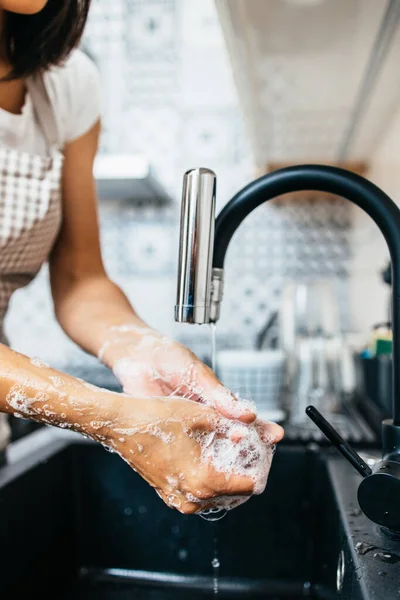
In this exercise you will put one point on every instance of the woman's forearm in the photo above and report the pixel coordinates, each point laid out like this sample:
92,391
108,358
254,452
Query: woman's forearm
89,308
30,389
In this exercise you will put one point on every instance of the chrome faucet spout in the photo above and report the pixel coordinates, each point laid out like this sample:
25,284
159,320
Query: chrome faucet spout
193,302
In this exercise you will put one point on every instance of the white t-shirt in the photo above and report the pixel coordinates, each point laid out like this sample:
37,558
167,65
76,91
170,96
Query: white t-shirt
74,92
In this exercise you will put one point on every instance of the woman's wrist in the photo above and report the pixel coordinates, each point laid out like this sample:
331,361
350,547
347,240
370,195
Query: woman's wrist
89,409
123,341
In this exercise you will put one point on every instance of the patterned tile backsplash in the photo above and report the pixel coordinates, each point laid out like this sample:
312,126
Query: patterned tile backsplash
168,94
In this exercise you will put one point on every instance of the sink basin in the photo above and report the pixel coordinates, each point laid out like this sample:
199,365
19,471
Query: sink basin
78,523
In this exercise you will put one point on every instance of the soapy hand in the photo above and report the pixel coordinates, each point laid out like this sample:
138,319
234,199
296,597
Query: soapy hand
149,364
193,457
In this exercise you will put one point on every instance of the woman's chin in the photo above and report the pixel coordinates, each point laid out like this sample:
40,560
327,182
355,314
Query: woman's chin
23,7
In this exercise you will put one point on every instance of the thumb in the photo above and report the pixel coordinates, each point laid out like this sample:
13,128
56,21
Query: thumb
270,433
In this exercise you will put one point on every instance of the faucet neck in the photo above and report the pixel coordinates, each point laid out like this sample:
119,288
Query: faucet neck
339,182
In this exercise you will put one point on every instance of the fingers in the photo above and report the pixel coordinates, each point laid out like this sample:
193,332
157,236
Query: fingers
233,493
190,508
237,485
206,488
270,433
180,502
210,484
237,434
191,379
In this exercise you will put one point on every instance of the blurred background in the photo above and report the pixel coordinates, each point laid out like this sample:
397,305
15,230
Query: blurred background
242,87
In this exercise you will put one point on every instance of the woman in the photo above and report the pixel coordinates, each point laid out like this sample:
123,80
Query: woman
49,130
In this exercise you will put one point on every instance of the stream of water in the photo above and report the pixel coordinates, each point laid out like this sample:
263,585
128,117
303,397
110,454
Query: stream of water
213,329
215,563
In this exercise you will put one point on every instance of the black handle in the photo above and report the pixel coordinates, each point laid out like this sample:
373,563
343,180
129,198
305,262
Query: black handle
336,439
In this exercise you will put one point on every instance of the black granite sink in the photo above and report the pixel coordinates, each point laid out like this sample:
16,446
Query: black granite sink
77,523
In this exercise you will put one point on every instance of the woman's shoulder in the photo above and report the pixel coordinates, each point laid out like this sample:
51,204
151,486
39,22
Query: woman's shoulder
74,91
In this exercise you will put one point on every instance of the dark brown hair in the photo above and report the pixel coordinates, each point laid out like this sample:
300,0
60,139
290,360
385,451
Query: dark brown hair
33,43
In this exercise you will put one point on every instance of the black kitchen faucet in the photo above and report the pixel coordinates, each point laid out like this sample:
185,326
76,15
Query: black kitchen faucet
203,245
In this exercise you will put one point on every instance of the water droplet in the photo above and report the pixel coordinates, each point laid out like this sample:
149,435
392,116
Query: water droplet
387,557
128,511
140,448
183,554
382,573
142,510
213,329
215,565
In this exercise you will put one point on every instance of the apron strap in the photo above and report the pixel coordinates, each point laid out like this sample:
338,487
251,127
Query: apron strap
44,110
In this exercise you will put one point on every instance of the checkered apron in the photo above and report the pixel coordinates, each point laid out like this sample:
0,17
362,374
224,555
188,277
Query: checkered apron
30,206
